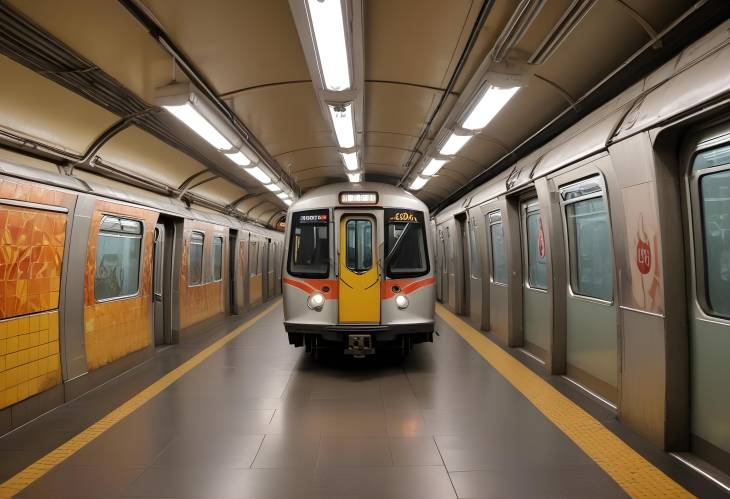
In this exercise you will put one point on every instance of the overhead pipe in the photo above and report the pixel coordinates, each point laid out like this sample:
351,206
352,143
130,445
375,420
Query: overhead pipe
572,16
521,20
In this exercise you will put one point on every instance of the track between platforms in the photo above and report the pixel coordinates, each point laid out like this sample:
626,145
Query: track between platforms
23,479
637,476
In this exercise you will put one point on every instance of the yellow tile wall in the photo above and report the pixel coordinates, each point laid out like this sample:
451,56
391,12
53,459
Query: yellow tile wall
29,356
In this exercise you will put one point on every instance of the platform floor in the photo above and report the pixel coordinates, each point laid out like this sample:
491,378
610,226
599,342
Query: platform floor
259,418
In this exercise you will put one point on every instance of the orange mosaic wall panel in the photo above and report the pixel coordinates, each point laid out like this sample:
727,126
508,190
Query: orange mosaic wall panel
31,259
206,300
118,327
29,356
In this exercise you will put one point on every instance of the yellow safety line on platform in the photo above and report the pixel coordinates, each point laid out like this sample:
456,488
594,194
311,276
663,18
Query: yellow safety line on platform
45,464
637,476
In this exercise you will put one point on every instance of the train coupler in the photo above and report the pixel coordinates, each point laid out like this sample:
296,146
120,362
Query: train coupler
359,345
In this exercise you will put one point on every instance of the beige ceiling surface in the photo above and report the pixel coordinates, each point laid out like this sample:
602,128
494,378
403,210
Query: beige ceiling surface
139,152
250,52
38,108
236,43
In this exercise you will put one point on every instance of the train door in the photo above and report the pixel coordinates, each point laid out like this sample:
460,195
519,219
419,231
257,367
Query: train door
474,304
162,259
708,207
270,259
462,265
359,279
254,271
591,310
232,272
243,264
444,266
266,257
535,299
498,278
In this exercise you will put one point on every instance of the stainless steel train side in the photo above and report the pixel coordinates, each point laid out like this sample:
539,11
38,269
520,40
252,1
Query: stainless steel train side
605,254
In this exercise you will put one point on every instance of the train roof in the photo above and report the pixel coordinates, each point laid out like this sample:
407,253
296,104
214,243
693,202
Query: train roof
388,196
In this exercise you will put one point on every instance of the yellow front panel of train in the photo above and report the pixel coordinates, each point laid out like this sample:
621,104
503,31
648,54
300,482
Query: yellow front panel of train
359,298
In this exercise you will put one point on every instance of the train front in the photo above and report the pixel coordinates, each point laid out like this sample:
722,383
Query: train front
358,273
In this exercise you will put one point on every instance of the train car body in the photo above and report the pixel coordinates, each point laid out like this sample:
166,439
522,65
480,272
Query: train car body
605,254
96,274
358,272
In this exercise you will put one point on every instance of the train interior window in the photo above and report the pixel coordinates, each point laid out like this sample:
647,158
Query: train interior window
405,243
499,256
195,258
254,259
589,240
359,245
217,258
535,251
309,244
714,194
118,255
474,251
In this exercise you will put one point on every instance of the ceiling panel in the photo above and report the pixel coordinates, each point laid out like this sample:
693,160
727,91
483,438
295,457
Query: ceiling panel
139,152
397,108
106,34
38,108
219,191
284,118
299,161
236,43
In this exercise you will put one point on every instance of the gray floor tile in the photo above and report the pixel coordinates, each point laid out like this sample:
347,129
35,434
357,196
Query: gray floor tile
215,450
335,452
384,483
415,451
287,451
81,482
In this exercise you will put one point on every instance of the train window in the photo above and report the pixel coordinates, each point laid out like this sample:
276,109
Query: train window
118,254
589,240
254,259
217,258
535,250
359,245
499,256
714,194
309,244
406,254
475,266
195,258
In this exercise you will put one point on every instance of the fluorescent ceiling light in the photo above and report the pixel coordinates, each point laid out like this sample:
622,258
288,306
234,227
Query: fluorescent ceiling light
329,40
288,202
239,158
493,100
273,187
342,121
433,167
354,177
258,174
282,195
454,144
198,124
418,182
350,159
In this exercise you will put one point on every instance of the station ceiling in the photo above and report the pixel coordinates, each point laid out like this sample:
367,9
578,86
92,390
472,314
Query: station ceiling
419,60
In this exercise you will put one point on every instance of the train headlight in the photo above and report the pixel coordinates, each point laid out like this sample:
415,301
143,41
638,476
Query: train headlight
316,301
401,301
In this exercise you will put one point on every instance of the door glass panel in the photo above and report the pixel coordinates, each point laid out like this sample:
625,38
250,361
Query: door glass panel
195,258
499,258
359,250
715,204
217,258
474,252
118,252
712,158
536,265
589,244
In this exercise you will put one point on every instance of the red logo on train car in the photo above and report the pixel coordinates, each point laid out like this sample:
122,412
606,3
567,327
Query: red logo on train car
643,256
541,241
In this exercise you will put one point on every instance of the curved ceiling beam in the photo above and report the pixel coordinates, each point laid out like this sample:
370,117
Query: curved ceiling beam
415,85
185,186
563,93
238,91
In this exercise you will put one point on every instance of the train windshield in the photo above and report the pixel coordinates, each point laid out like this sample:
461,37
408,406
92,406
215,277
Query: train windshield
405,243
309,244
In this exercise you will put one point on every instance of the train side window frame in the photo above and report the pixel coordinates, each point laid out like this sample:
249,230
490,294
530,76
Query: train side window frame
494,219
695,176
587,188
475,261
216,277
298,220
253,258
528,208
120,232
419,221
193,240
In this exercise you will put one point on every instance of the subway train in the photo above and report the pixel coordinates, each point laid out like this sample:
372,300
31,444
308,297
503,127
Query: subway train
359,275
96,275
605,254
